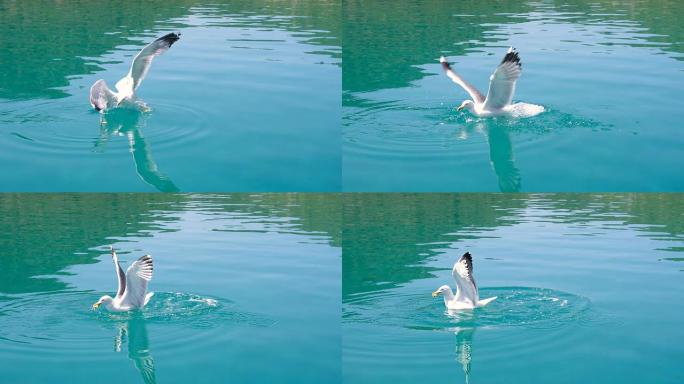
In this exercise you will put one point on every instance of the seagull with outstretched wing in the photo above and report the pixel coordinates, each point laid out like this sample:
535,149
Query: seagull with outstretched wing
467,296
103,98
132,292
501,89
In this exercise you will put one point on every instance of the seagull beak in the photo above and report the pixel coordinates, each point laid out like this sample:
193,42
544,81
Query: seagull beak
96,305
460,108
435,293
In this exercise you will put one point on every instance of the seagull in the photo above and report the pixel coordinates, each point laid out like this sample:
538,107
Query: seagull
466,289
103,98
132,292
501,89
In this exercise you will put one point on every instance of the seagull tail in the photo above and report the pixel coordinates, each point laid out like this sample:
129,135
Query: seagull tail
483,302
148,297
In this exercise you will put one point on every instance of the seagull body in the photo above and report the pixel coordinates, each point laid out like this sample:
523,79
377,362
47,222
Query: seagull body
500,93
132,293
103,98
467,296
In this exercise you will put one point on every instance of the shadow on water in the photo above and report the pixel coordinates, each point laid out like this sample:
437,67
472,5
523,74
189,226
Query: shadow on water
130,123
35,249
414,32
45,234
384,47
53,41
387,237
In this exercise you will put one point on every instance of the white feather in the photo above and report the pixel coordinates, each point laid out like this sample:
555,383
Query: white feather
137,277
466,289
502,84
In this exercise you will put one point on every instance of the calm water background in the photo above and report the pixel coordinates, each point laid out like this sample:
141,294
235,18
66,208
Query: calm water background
609,73
589,288
247,100
266,260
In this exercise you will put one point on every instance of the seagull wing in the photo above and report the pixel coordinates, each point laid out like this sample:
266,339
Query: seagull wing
502,81
472,91
142,61
463,274
121,276
137,277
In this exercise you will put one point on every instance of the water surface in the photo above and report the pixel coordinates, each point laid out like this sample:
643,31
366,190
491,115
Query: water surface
588,286
235,279
247,100
608,73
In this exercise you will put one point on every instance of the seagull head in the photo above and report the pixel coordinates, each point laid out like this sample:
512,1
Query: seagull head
103,300
469,104
441,290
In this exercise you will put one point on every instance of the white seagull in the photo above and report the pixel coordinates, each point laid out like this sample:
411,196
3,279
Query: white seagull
132,292
103,98
501,89
466,289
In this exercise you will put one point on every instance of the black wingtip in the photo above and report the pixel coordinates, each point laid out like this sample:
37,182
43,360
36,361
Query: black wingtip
468,260
512,56
170,38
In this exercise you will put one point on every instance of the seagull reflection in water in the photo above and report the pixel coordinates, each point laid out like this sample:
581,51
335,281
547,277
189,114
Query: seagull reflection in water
134,333
500,153
130,122
464,340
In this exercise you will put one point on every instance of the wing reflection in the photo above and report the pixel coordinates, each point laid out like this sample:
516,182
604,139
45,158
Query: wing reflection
464,349
503,159
464,340
500,154
130,123
134,332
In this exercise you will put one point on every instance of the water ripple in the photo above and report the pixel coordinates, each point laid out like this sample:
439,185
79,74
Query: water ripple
538,308
37,321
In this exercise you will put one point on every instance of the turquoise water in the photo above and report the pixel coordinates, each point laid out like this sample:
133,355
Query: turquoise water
609,74
273,98
247,100
589,288
236,278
